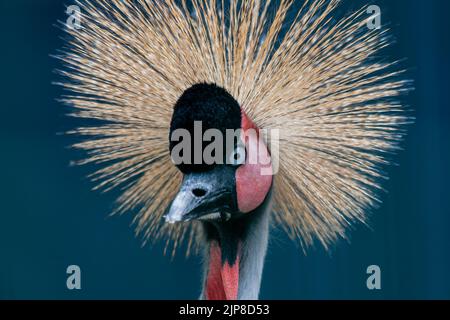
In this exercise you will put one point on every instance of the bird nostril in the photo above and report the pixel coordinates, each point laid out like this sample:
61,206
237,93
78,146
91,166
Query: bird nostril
199,192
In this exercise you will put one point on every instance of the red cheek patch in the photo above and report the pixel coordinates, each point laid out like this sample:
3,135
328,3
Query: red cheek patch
254,178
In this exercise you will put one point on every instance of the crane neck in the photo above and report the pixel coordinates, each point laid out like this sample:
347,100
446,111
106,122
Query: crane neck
235,254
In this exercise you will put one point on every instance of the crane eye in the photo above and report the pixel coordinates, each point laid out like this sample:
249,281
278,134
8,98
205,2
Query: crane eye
237,156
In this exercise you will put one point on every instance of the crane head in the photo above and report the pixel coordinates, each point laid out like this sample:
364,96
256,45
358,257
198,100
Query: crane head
225,163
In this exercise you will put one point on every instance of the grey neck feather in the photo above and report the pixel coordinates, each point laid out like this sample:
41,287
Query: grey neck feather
253,253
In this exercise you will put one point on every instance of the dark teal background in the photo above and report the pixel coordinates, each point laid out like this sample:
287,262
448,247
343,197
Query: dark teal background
50,219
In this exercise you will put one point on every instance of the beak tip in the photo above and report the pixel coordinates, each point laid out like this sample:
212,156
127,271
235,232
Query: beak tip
171,219
175,217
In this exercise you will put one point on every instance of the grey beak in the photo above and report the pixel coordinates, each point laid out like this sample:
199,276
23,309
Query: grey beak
204,196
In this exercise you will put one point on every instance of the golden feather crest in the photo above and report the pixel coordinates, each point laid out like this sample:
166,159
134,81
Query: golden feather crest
313,78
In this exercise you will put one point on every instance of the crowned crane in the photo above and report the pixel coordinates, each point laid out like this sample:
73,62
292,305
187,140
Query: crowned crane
231,198
144,69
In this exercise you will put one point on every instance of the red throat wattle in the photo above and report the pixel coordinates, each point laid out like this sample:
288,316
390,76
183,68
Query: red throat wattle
222,282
